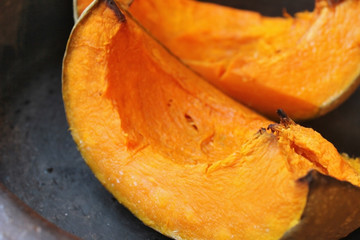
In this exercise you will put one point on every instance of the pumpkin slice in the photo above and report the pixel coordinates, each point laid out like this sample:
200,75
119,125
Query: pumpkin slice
186,159
306,65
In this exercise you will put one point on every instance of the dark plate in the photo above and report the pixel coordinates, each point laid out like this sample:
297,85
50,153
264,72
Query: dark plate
38,159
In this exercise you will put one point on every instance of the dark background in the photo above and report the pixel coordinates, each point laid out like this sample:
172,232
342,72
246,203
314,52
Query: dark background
39,161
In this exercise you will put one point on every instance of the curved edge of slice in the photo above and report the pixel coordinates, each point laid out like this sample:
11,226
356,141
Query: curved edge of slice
340,98
80,6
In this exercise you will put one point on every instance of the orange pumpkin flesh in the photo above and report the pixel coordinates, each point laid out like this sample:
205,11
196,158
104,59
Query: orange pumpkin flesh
183,157
306,65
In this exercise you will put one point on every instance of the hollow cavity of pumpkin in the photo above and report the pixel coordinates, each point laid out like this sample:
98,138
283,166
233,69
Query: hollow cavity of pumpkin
186,159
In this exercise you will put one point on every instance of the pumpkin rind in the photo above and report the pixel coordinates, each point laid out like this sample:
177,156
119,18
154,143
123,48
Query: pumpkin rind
186,159
325,196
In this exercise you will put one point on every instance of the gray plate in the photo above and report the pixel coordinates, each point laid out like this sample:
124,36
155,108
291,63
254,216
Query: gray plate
39,162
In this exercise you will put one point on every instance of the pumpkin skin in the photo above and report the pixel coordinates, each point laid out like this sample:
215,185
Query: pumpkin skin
306,65
79,7
186,159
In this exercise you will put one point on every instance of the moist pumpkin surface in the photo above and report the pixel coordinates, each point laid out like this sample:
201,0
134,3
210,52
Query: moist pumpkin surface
306,65
186,159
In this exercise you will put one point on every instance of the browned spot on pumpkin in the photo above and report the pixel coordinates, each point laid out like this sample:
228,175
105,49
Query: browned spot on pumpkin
190,120
115,8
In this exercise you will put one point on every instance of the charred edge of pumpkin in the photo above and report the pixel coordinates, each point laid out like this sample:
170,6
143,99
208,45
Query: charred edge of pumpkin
113,6
262,130
317,182
284,118
311,177
285,122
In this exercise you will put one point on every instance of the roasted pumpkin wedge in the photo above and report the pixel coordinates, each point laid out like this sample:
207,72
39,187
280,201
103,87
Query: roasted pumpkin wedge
306,65
186,159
